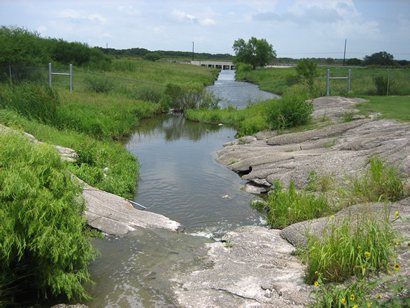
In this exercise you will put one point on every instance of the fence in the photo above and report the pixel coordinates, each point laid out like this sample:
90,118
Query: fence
348,78
69,74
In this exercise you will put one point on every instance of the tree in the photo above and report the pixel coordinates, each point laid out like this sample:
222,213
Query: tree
307,70
379,58
257,52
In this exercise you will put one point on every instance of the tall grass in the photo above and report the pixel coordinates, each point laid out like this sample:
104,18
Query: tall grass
380,183
103,164
278,80
357,246
285,207
42,239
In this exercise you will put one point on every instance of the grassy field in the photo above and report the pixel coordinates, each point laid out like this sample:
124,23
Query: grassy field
277,80
391,107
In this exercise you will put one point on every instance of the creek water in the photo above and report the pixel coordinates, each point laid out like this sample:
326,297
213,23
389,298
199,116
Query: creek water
181,180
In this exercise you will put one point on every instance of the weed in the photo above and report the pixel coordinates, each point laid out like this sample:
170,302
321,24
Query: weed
291,206
380,183
99,84
355,246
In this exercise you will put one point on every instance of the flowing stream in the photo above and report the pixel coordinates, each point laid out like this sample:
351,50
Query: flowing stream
181,180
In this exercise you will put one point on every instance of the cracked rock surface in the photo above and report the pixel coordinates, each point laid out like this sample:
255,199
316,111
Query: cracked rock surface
252,267
338,150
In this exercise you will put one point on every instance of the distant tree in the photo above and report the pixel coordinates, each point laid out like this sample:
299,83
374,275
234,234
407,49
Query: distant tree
152,56
307,71
256,52
354,61
379,58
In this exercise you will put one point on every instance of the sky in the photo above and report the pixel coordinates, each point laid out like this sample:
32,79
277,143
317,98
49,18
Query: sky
295,28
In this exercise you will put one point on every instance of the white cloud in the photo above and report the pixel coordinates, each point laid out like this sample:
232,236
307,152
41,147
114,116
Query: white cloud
185,17
207,22
78,16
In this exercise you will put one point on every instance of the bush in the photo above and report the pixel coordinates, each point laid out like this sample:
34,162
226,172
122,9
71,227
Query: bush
32,100
187,97
307,71
149,93
384,86
99,84
287,207
351,247
42,238
289,111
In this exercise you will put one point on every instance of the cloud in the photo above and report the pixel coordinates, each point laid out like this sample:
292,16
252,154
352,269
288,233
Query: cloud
80,17
185,17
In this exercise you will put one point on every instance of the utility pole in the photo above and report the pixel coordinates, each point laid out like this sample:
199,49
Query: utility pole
193,51
344,53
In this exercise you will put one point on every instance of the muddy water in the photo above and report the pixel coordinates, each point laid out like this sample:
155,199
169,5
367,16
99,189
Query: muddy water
181,180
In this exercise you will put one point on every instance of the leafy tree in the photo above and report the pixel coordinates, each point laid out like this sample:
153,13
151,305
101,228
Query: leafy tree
152,56
379,58
257,52
354,61
307,71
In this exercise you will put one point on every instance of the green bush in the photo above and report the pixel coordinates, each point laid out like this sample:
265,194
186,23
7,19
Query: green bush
42,236
384,86
289,111
149,93
252,125
352,247
32,100
99,84
287,207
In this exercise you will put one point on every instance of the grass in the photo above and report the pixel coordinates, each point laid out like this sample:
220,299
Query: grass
278,80
391,107
44,246
93,122
288,207
357,246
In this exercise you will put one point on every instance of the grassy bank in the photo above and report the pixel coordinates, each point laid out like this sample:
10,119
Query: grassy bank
391,107
277,80
104,108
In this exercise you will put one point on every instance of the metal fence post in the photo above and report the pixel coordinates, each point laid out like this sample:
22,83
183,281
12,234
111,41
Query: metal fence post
71,78
349,81
49,74
327,82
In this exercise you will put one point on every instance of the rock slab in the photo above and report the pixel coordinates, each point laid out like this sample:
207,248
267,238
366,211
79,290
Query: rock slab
252,267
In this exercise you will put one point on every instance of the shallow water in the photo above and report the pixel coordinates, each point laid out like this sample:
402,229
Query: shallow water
181,180
236,93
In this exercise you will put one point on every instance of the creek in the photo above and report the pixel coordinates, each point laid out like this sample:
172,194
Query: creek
179,178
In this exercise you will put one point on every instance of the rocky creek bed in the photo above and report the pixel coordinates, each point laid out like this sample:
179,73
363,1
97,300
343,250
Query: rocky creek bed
255,266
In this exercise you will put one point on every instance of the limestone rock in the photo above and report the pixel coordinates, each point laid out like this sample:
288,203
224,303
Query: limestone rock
252,267
115,215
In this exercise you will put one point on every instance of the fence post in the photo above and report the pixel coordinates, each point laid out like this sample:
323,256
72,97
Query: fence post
49,74
388,83
11,79
327,82
349,81
71,78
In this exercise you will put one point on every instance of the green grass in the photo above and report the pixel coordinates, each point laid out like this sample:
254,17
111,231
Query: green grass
391,107
93,122
278,80
288,207
44,247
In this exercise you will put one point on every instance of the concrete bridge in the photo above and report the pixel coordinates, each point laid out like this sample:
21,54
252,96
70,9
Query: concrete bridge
223,65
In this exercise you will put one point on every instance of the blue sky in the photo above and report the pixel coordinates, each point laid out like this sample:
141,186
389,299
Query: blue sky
295,28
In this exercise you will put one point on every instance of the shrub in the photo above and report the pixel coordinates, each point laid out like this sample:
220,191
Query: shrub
287,207
252,125
99,84
32,100
289,111
42,238
380,183
307,71
384,86
149,93
351,247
